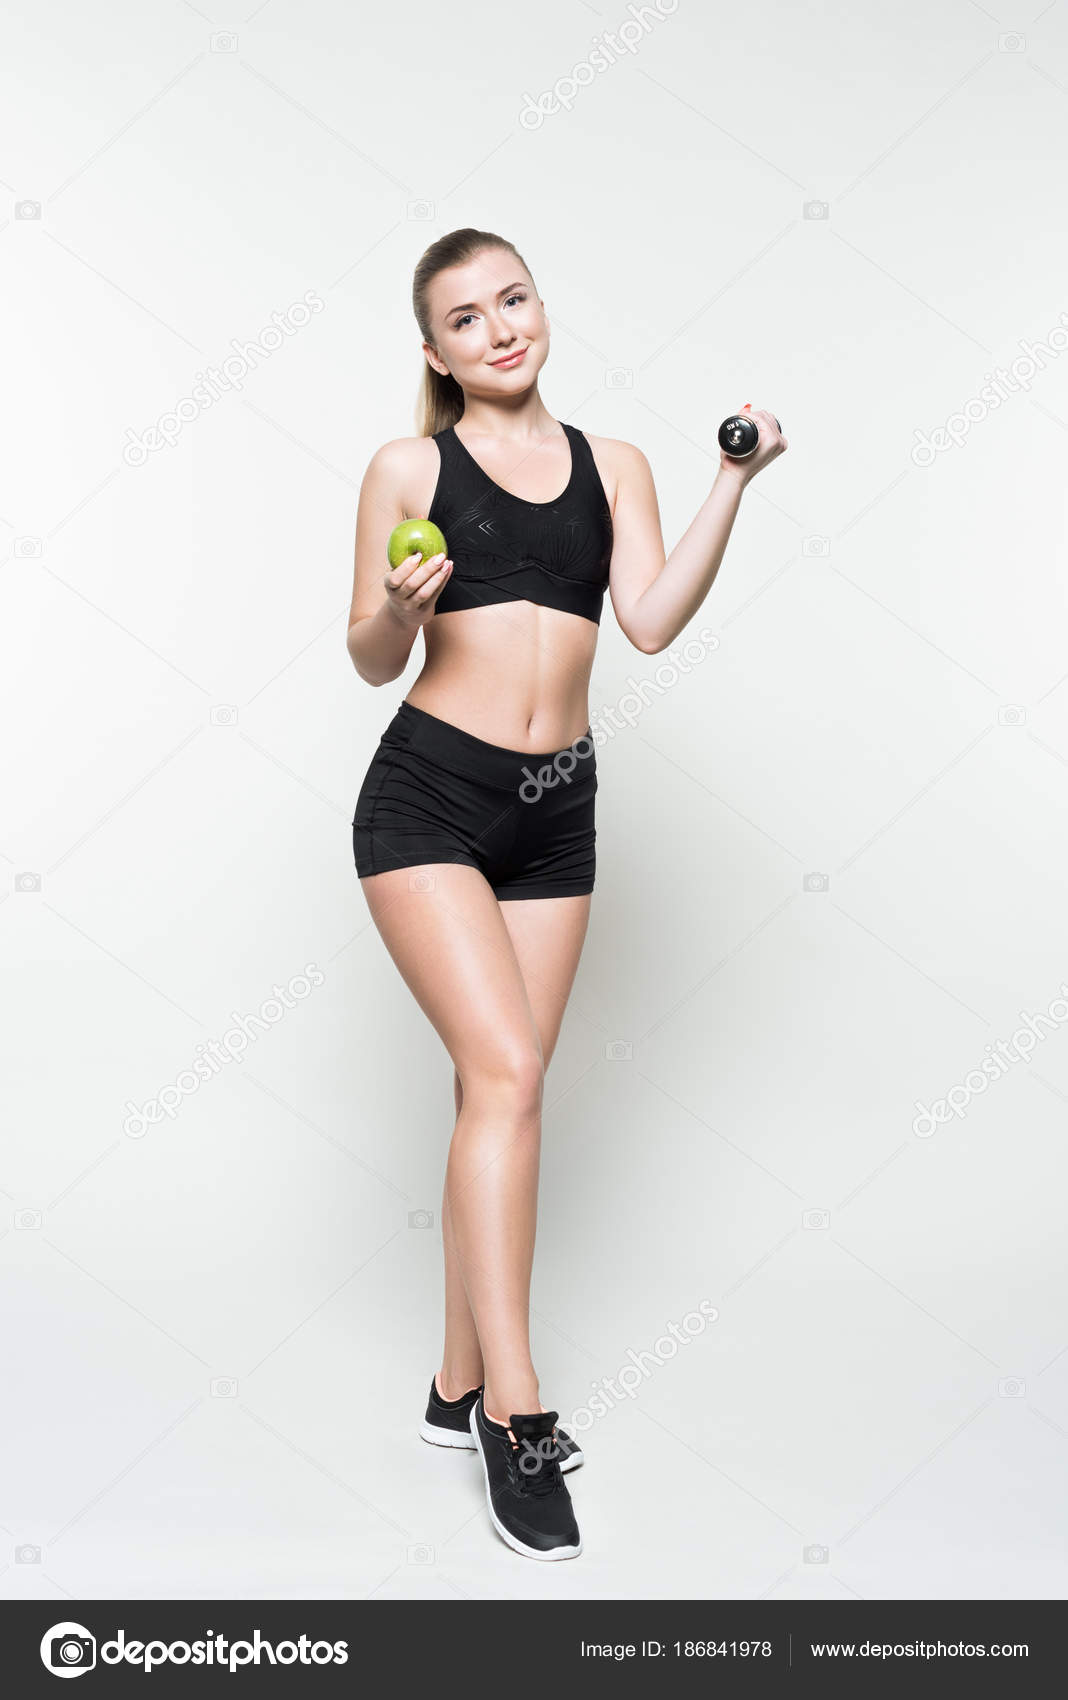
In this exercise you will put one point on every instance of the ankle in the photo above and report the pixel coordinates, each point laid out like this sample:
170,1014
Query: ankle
499,1407
453,1384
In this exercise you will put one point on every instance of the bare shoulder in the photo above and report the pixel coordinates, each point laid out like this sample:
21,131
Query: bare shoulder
616,452
618,463
403,455
405,468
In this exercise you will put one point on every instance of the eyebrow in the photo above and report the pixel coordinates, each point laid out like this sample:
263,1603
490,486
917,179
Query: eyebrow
467,305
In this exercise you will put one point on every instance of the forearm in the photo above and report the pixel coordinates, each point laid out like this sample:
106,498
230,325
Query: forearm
680,587
379,646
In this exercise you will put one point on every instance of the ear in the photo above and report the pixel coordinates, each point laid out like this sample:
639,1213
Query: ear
435,359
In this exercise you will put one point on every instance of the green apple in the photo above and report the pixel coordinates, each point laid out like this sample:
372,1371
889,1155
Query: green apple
414,537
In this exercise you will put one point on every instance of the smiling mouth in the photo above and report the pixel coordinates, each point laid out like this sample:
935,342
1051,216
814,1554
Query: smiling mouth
510,359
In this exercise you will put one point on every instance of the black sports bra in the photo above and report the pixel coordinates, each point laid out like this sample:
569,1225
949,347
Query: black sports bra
505,549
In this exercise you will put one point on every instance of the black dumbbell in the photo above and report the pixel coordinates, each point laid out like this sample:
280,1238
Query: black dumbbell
738,435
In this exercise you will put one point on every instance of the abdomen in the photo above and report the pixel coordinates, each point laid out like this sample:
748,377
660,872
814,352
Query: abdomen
513,673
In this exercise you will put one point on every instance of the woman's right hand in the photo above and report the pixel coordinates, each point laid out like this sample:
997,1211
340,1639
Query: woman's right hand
413,588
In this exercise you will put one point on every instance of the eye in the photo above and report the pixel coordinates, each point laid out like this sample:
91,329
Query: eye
458,324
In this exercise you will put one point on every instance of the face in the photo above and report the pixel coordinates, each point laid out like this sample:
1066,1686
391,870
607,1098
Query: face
481,313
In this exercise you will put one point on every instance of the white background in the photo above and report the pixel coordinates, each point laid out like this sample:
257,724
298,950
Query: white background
886,707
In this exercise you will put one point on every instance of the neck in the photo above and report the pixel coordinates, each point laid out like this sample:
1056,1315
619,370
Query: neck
520,419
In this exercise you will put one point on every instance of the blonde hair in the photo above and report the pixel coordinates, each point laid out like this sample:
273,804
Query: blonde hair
441,400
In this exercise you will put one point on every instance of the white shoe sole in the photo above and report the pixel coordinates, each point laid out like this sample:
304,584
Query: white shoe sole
513,1540
446,1437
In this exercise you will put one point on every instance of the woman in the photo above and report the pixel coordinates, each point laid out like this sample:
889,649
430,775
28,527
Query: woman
474,829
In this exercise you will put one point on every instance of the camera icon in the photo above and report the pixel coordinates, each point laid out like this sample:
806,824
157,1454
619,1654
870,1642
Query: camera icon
816,1219
1012,43
816,546
27,1555
816,1555
28,548
224,714
421,1554
422,882
71,1650
420,1218
27,1220
27,882
27,209
224,1387
816,209
816,882
617,1050
1011,1387
223,42
1011,714
420,209
619,378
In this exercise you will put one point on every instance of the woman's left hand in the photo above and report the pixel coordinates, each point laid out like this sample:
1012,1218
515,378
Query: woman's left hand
772,443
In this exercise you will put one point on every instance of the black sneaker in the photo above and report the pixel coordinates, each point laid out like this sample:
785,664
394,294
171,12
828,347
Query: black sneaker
448,1423
529,1504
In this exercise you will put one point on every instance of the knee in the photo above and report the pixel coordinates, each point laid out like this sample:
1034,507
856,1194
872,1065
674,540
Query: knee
513,1078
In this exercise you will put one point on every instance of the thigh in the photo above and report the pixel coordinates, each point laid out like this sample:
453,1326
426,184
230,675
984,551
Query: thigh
547,935
444,929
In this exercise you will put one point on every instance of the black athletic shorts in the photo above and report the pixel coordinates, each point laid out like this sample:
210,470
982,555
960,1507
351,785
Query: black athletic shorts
435,793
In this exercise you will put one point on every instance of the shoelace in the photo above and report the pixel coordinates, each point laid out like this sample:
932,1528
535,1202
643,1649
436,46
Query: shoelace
546,1478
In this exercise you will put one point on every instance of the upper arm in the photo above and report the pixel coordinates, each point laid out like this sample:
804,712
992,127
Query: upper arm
381,507
638,542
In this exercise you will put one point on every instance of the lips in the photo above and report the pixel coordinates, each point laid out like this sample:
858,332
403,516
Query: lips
510,360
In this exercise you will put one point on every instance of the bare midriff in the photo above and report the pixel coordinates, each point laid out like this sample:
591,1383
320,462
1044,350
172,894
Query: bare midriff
513,673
